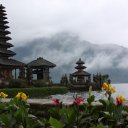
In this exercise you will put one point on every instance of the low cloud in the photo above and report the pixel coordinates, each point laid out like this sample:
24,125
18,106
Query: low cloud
64,49
99,21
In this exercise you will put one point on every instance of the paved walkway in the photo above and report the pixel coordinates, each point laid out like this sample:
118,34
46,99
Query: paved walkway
46,102
50,102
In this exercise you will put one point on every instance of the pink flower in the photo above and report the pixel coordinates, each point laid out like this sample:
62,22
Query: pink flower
56,101
78,100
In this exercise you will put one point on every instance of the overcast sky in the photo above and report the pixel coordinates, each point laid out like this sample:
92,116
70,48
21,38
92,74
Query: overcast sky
97,21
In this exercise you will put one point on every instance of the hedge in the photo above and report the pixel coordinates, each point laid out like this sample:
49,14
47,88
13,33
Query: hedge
35,92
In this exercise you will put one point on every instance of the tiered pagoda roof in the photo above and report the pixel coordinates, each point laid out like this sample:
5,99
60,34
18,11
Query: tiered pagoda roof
4,44
80,69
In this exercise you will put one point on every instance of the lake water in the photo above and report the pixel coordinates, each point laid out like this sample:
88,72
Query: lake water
121,89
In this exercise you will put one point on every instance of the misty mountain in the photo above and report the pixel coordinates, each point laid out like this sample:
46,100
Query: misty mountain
64,49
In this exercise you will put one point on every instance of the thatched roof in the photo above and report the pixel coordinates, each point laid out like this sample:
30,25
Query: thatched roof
4,22
1,7
4,32
5,37
41,62
7,52
6,44
80,67
11,62
81,73
2,13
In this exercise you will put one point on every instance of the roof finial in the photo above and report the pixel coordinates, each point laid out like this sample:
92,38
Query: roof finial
40,58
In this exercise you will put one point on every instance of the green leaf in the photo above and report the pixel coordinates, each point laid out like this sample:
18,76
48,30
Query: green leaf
2,106
64,114
91,99
32,116
100,126
55,123
72,117
7,120
104,102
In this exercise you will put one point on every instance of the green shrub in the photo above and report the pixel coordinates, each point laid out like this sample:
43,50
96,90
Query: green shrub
36,92
40,83
61,85
18,83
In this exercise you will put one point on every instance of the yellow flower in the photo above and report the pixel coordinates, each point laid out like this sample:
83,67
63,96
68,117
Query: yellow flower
119,100
108,88
111,89
21,96
105,86
3,95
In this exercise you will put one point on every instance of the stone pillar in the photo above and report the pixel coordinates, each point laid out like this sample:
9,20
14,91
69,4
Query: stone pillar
29,75
46,74
22,73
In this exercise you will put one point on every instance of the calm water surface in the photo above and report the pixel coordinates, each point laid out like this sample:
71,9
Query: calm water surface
121,89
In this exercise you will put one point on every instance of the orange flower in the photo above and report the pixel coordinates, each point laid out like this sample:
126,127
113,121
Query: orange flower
119,100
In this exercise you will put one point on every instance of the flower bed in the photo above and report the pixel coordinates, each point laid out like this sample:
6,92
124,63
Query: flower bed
111,113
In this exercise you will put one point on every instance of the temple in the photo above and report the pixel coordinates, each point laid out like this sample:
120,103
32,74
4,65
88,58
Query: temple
40,67
7,64
80,77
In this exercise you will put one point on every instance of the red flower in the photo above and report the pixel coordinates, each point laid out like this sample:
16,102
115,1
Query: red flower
119,100
56,101
78,100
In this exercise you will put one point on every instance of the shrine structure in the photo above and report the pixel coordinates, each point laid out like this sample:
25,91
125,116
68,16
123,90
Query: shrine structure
7,64
40,67
80,77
